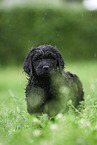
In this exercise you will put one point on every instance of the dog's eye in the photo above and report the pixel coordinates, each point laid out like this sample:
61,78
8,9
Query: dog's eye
37,59
50,56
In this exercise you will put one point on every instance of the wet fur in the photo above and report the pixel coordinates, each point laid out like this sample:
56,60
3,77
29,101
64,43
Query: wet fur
41,64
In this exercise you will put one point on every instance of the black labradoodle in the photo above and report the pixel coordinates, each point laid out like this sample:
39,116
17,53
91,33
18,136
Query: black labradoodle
50,87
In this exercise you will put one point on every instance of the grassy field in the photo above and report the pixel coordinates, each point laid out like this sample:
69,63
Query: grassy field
17,127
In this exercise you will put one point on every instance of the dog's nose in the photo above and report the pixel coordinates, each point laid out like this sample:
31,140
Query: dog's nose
45,67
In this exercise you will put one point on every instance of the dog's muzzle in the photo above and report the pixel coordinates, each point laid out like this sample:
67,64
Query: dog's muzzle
46,68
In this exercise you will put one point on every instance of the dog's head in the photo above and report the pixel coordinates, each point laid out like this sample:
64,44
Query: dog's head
43,60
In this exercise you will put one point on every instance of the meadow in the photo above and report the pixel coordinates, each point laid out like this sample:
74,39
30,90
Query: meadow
73,128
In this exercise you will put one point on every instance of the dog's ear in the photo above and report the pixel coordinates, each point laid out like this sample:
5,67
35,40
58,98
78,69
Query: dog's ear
60,62
28,63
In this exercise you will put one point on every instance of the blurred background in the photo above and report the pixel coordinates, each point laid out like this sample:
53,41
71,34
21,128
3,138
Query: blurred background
70,25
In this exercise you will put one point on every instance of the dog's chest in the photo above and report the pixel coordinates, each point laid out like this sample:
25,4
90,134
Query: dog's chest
49,90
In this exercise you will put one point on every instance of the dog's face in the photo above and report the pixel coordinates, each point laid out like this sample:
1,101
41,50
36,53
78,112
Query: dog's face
43,60
44,63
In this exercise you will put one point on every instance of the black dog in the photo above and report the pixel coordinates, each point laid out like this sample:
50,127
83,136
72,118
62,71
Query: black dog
49,86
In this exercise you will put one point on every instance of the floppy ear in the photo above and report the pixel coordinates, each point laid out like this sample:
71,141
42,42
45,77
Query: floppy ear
28,63
60,62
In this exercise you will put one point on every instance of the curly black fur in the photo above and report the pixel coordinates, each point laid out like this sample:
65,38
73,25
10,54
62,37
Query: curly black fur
44,66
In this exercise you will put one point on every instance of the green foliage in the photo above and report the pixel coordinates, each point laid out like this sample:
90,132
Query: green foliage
74,32
18,127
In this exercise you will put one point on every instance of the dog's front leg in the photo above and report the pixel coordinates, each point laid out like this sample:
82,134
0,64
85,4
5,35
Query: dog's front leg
35,99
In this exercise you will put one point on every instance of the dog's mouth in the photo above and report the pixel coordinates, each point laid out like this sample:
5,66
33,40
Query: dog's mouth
45,73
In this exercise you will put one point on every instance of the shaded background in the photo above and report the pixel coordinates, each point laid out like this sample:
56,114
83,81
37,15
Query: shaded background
66,24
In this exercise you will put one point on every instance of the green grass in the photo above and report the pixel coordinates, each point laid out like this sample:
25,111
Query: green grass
18,127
